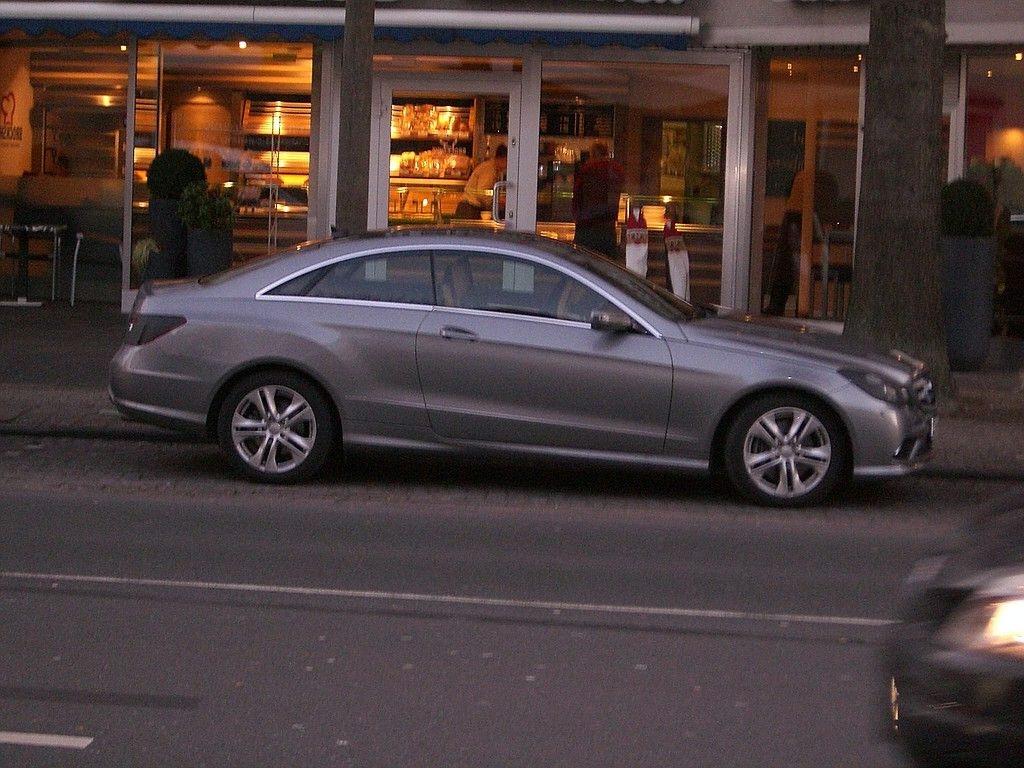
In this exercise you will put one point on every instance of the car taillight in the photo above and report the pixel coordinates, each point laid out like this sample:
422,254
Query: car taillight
143,329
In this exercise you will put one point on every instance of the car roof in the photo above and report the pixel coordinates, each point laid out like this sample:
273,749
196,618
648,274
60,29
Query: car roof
471,233
308,254
473,236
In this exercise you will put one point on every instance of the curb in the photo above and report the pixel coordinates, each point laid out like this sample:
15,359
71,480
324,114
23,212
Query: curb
179,438
111,435
967,474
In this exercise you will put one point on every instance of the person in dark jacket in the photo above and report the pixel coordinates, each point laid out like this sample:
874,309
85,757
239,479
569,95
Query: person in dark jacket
595,201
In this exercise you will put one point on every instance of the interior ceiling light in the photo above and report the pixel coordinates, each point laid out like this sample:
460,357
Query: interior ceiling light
242,44
1019,56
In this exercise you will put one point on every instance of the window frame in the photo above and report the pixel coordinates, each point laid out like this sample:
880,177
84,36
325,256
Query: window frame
643,325
264,294
469,253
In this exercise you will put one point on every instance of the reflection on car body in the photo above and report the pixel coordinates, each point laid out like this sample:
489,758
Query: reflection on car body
460,340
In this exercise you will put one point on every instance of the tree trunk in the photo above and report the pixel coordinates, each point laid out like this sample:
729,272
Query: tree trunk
896,301
354,133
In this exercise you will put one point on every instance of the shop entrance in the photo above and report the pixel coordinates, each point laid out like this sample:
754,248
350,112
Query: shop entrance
446,150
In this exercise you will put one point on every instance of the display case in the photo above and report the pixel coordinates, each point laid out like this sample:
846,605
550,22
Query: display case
433,145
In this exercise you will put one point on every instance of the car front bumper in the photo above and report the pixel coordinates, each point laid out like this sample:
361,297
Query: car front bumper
967,705
888,440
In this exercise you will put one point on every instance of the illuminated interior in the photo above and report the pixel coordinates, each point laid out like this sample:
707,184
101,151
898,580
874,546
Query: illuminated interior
245,111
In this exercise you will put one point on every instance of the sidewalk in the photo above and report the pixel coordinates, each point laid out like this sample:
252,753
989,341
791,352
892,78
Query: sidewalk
54,368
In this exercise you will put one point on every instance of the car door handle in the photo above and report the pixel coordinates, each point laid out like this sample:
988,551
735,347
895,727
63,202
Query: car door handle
457,334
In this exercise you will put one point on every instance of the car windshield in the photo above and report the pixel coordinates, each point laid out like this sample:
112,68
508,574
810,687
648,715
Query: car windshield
653,297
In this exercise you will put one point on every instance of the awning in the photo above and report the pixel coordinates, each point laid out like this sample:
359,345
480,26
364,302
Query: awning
268,22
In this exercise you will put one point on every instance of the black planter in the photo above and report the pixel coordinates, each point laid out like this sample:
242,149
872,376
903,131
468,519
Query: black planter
171,237
968,288
209,251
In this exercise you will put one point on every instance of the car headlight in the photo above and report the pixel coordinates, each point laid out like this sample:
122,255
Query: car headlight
986,625
877,386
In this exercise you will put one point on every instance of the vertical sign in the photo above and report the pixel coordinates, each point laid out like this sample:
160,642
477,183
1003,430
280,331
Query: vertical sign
15,109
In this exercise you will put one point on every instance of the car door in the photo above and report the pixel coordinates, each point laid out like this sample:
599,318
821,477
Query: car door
508,356
366,310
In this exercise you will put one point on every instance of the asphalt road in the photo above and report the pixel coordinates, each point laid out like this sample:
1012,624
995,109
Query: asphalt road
157,612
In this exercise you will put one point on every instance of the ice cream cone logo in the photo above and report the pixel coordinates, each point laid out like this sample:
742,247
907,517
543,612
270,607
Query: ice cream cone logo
7,106
636,228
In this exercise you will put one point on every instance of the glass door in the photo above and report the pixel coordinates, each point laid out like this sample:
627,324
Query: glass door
447,150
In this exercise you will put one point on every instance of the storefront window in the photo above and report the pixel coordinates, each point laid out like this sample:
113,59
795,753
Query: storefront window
650,136
995,122
244,110
994,155
62,120
810,185
448,138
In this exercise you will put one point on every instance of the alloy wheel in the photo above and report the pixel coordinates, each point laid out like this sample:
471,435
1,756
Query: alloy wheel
273,429
787,452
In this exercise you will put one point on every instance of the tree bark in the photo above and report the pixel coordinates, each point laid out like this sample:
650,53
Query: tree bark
896,301
354,133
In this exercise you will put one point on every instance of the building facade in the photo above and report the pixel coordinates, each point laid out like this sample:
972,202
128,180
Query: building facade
738,120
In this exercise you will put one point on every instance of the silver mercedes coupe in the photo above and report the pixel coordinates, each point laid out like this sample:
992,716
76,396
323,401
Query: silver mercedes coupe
448,340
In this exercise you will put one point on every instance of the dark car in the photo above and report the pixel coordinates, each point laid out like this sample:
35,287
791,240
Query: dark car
956,657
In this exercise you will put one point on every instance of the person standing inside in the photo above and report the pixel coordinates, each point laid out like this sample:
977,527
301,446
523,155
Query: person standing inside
595,201
478,194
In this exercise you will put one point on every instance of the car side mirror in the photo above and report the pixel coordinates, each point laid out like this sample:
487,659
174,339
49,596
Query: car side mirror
613,320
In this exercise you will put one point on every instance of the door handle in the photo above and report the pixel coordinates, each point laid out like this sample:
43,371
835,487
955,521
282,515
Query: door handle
457,334
496,191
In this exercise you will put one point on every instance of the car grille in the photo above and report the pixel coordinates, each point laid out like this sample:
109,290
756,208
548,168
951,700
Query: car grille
937,604
922,392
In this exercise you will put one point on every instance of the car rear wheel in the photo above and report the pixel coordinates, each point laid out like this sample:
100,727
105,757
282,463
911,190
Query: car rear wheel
785,450
276,427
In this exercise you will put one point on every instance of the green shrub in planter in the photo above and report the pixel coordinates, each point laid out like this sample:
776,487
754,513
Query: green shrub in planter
203,207
209,215
169,174
968,284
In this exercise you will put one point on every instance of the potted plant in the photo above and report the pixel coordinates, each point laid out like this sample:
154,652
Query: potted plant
208,215
170,172
969,250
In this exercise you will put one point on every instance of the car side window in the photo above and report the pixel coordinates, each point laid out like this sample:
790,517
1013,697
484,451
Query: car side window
399,277
497,282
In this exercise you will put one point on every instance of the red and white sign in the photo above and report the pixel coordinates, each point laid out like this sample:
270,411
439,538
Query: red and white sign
636,243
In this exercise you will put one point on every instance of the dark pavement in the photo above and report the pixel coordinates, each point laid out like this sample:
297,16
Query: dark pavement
59,346
243,671
403,611
415,613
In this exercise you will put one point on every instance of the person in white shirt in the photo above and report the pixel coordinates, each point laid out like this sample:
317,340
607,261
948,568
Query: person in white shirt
477,195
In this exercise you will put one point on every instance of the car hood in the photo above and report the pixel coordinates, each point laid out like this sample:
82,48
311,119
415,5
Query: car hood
990,545
760,335
993,540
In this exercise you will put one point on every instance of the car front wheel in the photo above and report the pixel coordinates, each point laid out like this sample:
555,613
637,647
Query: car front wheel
276,427
785,450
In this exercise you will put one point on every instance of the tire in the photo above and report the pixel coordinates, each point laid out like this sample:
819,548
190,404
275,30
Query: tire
771,464
922,753
262,441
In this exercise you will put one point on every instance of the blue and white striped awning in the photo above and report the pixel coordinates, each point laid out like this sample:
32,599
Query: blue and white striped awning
326,22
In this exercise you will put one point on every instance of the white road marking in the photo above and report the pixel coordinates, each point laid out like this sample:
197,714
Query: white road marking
461,600
45,740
